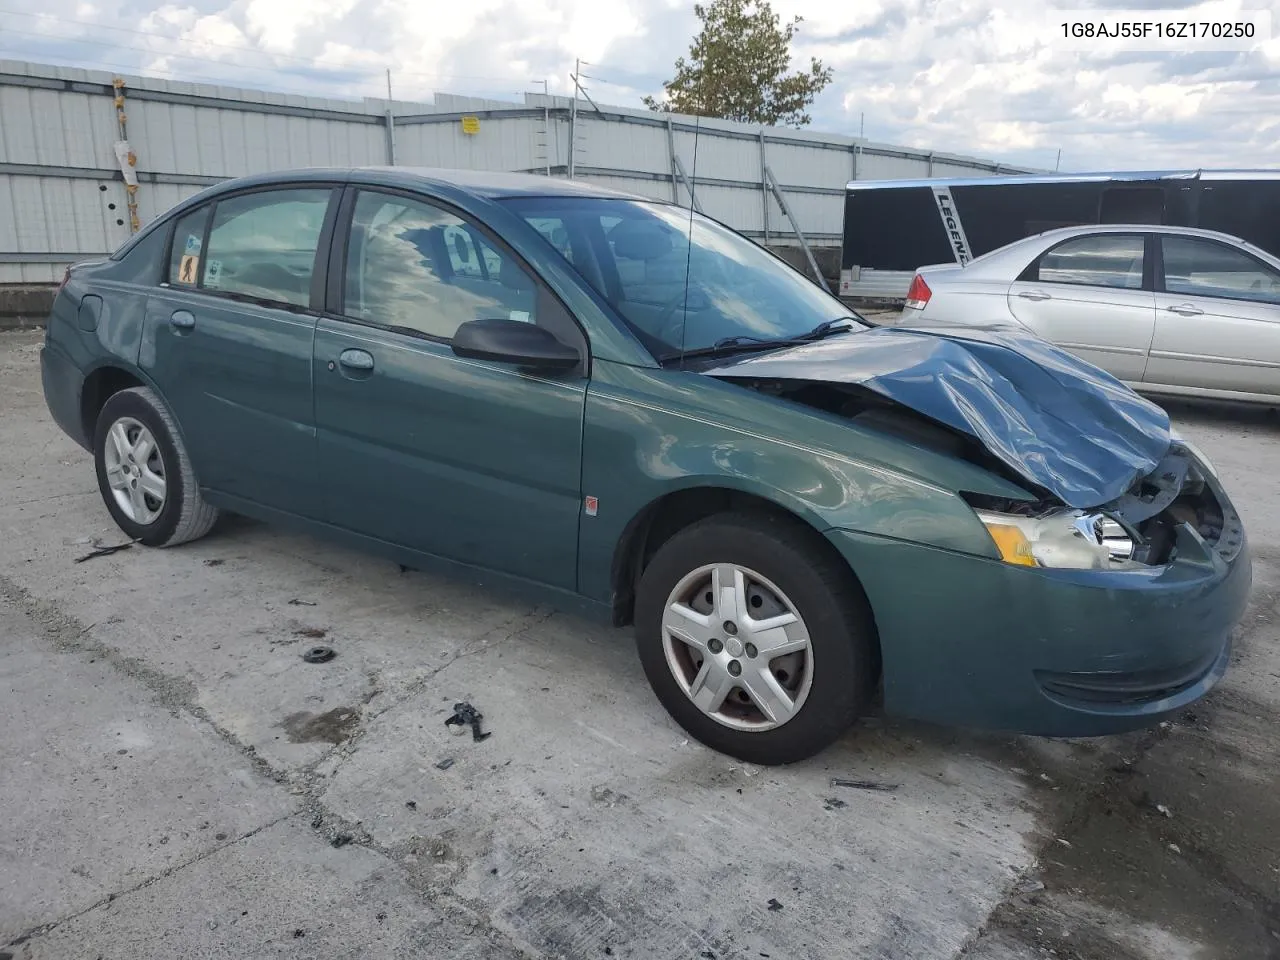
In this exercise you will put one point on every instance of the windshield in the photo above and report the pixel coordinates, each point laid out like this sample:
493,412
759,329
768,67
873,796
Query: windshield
637,255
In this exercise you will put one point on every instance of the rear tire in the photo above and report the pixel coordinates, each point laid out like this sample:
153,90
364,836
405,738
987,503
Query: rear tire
144,473
691,644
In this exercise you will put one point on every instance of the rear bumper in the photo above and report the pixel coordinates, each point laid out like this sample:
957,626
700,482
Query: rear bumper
63,382
968,641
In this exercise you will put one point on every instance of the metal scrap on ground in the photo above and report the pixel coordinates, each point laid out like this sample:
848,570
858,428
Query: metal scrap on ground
864,785
101,551
464,714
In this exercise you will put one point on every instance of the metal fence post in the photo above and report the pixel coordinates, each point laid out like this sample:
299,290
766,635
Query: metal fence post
795,225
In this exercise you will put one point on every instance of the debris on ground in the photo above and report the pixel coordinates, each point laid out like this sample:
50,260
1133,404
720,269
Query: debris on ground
446,763
311,633
864,785
833,803
465,715
1163,810
299,934
1065,843
101,551
341,840
774,905
214,563
320,654
411,804
301,603
1175,848
1027,887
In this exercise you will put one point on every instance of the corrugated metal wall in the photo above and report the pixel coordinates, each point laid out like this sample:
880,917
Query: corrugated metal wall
63,197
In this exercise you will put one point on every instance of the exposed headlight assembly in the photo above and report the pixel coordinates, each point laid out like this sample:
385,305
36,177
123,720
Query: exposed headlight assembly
1063,539
1196,453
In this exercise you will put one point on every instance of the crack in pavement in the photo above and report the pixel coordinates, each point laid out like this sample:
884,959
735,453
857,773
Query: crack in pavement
46,928
474,647
68,635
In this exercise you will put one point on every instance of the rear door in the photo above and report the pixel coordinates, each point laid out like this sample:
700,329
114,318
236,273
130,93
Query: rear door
1092,295
228,341
475,461
1217,318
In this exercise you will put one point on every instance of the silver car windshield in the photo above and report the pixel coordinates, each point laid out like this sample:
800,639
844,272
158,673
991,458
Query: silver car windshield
681,281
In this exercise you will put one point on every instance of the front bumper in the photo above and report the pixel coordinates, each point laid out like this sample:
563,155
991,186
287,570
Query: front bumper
969,641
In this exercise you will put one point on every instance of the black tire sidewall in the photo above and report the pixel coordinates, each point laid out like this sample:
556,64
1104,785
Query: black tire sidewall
828,600
132,404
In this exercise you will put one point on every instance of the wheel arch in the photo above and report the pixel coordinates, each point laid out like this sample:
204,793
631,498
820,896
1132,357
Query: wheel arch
103,381
662,518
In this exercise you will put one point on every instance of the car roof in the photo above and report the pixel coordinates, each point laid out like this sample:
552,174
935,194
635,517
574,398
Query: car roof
1133,228
487,184
494,183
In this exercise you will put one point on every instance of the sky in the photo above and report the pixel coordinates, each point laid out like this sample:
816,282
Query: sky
985,78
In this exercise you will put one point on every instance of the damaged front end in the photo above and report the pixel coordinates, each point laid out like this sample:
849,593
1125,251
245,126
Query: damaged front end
1109,485
1176,508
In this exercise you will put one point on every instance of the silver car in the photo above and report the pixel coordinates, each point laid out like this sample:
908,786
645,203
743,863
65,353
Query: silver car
1168,310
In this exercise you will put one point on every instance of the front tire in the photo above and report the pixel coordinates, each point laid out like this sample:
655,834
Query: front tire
144,473
756,638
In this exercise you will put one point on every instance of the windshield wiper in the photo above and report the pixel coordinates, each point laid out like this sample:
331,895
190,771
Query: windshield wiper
825,329
739,344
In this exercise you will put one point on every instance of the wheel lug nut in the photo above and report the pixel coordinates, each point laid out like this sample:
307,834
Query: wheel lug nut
735,668
715,646
730,627
752,652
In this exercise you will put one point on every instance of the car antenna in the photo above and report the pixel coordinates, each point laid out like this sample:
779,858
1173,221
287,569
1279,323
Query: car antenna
688,250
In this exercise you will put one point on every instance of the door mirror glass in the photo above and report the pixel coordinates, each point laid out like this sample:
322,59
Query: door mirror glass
512,341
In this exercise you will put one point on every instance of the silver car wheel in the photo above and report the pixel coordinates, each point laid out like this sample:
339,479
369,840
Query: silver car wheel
135,471
737,647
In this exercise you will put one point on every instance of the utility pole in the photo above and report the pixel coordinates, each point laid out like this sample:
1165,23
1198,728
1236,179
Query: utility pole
546,123
391,124
573,115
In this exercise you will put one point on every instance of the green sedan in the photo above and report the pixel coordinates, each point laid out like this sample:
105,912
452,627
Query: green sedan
630,410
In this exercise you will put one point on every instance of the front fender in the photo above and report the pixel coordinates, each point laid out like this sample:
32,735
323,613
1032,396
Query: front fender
648,434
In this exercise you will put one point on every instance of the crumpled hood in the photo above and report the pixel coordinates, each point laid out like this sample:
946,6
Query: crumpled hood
1056,420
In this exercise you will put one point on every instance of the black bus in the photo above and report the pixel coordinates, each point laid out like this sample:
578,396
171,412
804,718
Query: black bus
891,227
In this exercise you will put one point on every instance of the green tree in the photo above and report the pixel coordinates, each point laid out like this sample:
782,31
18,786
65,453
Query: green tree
737,69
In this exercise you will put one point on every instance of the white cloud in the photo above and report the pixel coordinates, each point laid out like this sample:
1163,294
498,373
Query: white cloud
969,76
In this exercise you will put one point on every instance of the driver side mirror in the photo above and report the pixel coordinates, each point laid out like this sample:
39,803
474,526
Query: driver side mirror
515,342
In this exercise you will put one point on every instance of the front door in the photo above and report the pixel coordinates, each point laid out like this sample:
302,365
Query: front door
1092,295
470,460
1217,319
229,342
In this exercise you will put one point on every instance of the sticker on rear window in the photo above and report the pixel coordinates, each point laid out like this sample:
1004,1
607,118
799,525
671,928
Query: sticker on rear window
213,273
193,244
522,316
189,269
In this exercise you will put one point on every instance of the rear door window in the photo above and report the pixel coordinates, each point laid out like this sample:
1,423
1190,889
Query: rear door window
263,245
1100,260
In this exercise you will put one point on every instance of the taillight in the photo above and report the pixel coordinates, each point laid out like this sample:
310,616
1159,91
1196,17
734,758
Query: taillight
919,293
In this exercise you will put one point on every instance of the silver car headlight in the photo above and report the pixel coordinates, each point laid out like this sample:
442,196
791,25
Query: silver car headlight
1063,539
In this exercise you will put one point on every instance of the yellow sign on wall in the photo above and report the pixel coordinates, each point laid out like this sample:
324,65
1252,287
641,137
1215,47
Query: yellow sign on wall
470,124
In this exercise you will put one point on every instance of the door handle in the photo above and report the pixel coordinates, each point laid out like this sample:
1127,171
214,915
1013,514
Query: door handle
356,359
1034,295
1186,310
182,319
